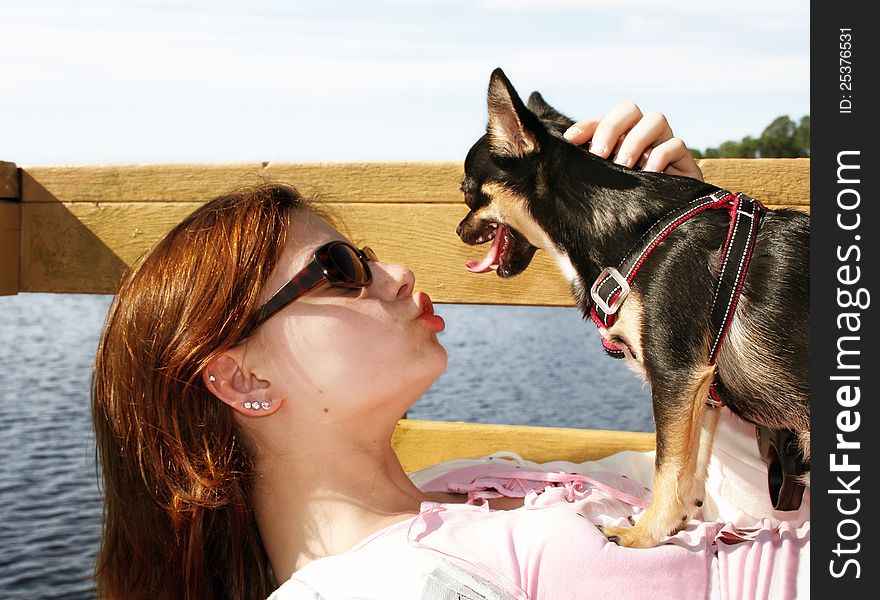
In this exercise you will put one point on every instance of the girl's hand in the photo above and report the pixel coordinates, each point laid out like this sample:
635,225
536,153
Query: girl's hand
633,139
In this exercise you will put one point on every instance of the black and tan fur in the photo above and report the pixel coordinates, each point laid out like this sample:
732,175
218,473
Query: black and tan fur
587,212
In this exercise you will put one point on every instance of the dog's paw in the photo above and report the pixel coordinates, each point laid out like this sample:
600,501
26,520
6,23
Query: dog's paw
630,537
613,533
642,534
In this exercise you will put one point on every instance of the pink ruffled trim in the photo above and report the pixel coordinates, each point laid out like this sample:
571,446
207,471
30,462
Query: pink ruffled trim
495,480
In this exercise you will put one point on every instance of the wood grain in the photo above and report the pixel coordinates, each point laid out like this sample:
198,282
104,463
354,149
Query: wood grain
10,247
9,188
777,182
423,443
772,181
333,182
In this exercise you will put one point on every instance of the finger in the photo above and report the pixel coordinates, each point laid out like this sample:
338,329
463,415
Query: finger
694,172
616,123
688,168
581,132
651,130
673,156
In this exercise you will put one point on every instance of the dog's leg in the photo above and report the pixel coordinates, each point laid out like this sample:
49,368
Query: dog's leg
682,456
707,440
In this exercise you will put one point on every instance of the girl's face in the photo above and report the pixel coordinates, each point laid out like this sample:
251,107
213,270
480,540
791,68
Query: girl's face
346,353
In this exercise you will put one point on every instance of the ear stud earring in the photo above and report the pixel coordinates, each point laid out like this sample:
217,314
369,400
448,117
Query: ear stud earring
257,405
211,378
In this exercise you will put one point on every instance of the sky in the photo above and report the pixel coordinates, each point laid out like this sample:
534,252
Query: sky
221,81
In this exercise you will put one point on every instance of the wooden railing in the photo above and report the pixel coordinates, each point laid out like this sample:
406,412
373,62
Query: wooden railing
77,229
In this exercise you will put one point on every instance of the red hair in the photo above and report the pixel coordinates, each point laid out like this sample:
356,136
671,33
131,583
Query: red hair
178,521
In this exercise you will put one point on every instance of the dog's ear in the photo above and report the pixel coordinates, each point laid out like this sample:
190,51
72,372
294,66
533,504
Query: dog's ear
514,131
544,111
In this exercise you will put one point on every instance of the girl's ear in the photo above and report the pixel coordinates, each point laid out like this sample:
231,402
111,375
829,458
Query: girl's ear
226,378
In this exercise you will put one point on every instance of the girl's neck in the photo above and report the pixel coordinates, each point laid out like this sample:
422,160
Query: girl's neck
322,500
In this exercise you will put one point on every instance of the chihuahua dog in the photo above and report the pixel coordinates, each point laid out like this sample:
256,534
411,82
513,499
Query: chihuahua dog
527,188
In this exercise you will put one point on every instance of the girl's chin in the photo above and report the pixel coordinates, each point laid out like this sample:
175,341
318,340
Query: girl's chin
433,369
441,361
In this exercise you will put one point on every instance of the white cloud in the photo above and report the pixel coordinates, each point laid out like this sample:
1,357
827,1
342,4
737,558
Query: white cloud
143,70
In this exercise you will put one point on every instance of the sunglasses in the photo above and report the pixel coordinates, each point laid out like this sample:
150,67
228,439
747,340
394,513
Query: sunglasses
337,262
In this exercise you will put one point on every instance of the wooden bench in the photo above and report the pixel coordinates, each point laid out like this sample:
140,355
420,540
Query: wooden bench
76,229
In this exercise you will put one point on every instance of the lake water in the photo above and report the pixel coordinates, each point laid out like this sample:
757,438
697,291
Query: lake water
521,365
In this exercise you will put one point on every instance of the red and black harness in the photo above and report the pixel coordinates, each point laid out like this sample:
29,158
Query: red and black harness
613,284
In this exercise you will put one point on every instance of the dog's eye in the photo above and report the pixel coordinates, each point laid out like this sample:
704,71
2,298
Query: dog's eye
472,198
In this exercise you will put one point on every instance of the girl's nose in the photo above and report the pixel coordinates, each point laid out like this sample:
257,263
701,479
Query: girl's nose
392,281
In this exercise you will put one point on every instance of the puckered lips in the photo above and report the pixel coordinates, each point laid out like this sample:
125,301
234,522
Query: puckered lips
508,255
426,312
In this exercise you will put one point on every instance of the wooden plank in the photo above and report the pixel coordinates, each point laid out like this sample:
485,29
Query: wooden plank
773,181
85,244
343,182
10,247
85,248
423,443
10,229
9,188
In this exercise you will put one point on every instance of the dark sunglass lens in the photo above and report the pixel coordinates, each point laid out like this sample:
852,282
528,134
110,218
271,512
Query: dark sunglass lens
345,259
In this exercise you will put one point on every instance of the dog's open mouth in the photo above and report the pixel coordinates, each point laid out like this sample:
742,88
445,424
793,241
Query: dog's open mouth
509,254
500,237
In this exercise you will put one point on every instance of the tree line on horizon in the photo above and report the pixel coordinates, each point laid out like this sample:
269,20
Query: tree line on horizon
783,138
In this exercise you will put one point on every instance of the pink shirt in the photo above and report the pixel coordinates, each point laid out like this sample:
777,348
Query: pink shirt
552,549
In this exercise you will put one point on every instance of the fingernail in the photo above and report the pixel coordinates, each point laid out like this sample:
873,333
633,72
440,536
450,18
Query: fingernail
572,132
625,161
599,150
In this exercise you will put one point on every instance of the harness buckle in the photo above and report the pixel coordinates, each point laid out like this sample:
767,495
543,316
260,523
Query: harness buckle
624,290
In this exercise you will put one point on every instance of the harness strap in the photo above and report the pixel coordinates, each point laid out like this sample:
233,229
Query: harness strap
609,290
745,215
612,286
785,467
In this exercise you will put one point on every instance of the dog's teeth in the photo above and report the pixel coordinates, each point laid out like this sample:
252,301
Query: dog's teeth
494,267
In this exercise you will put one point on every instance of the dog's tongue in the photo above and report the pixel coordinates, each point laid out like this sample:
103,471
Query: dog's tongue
490,261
